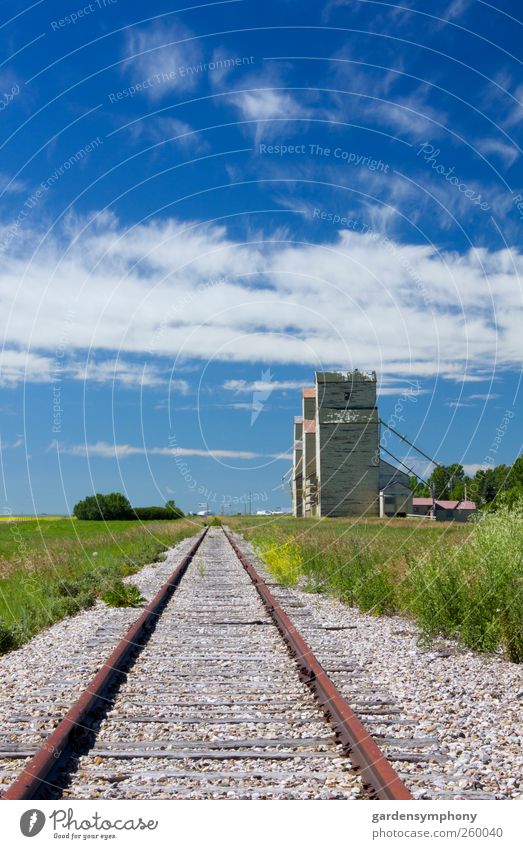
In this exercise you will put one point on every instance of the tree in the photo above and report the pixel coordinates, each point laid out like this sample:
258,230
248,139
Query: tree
117,506
489,484
515,475
89,508
461,491
419,488
444,478
171,506
114,505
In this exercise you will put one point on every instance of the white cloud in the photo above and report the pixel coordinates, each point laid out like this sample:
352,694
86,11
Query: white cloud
412,115
458,404
122,451
182,292
120,371
247,386
8,444
263,107
456,8
417,466
169,50
9,185
399,391
218,452
472,468
515,110
17,366
368,95
264,101
507,153
162,131
261,104
486,396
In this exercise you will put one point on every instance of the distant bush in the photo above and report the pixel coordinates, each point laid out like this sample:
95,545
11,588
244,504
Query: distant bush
147,513
114,505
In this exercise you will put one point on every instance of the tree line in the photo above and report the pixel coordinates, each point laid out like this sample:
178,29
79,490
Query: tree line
486,487
114,505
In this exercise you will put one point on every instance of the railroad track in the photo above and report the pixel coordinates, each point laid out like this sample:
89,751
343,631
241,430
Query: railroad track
212,693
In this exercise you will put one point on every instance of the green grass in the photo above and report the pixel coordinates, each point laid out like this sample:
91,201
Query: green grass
123,595
8,518
462,581
53,569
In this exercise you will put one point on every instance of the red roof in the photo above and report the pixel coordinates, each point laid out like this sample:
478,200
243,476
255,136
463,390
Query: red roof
444,505
308,392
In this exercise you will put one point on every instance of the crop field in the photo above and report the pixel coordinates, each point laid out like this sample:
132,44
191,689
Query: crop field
456,580
54,568
9,518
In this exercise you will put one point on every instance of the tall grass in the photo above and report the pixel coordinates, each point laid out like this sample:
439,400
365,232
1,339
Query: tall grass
347,569
462,582
46,577
475,592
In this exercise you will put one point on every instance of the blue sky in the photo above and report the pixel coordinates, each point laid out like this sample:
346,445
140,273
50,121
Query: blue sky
202,207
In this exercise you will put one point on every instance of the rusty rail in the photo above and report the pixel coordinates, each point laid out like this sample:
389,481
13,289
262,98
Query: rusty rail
376,771
39,769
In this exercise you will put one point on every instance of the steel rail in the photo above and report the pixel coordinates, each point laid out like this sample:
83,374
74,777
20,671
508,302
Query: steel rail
376,771
37,772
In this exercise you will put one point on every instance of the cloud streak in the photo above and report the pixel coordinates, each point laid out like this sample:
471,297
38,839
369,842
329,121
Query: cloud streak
18,366
108,450
185,292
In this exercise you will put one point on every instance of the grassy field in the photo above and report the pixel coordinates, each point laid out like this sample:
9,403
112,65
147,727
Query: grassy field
458,580
53,568
9,518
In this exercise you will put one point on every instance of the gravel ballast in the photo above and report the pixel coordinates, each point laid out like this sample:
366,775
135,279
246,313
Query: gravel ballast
40,680
466,707
449,719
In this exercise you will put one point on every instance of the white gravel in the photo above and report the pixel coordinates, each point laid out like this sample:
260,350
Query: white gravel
449,719
469,705
40,680
213,706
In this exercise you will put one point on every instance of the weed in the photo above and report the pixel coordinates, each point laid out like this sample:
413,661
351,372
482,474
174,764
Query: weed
9,638
284,561
123,595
